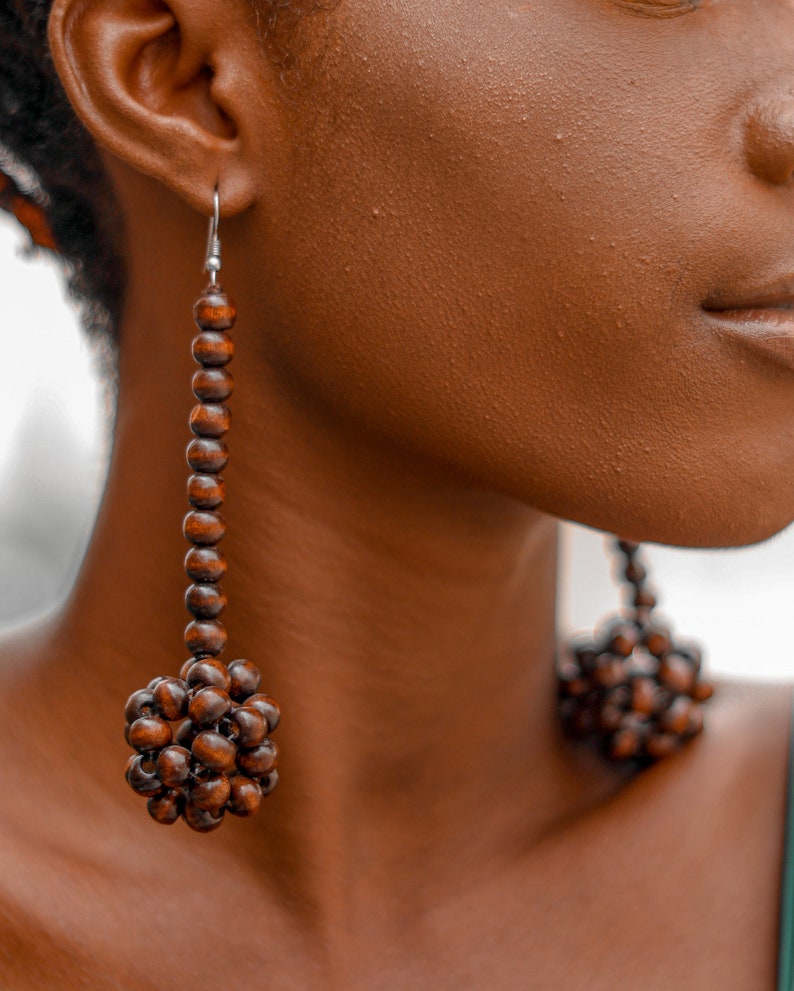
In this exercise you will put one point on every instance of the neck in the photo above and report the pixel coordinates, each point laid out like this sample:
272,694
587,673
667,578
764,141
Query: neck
403,618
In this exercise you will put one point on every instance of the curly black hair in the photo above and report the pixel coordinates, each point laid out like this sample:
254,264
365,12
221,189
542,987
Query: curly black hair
51,158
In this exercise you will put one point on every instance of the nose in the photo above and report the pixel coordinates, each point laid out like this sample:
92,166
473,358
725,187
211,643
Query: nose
769,138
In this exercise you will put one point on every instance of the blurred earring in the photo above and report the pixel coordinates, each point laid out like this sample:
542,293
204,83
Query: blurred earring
223,759
632,690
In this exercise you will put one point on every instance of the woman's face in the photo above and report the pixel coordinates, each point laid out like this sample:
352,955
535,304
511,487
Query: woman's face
502,228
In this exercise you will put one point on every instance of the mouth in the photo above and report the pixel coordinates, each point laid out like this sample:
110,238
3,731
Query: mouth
761,320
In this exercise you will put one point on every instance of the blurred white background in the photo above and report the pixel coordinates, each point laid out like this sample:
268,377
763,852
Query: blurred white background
739,604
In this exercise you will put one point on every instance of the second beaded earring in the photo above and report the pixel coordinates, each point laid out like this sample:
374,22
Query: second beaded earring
220,758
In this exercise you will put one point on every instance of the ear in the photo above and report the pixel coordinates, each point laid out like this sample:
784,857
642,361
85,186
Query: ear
176,88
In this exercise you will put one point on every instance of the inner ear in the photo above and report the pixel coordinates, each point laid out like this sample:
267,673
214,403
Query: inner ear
171,79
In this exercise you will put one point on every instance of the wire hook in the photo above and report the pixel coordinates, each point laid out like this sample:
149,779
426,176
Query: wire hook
213,263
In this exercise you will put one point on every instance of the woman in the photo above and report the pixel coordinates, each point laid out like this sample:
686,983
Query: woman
495,263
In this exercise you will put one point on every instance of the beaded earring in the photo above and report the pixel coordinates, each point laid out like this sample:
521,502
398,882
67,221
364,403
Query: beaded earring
223,759
632,690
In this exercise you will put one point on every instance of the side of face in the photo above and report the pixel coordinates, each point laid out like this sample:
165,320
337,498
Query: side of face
496,235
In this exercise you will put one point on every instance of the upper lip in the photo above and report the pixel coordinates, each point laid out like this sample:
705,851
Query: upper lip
777,295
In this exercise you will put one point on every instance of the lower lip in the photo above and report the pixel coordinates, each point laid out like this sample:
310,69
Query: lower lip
768,332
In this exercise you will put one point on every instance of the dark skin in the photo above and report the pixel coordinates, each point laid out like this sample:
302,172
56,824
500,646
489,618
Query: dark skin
471,254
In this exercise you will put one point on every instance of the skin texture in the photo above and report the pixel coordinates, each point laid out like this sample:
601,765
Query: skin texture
471,245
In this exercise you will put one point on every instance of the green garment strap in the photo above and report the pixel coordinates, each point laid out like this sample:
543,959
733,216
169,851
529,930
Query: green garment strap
785,973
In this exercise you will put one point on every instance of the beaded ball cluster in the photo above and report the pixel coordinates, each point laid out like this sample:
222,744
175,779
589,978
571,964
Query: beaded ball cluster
632,689
220,757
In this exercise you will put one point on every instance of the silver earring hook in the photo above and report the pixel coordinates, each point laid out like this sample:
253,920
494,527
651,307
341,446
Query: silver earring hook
213,263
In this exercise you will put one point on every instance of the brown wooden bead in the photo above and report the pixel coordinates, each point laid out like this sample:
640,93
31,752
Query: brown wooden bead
171,697
269,708
200,819
675,719
623,640
213,349
166,808
628,547
205,600
214,751
210,420
204,528
610,718
209,673
215,310
206,491
246,796
205,564
150,733
643,599
208,706
625,744
702,691
677,674
658,643
246,679
206,637
141,774
207,455
140,703
268,783
259,760
155,682
173,765
635,572
610,671
661,745
643,696
249,727
186,734
211,792
695,721
213,385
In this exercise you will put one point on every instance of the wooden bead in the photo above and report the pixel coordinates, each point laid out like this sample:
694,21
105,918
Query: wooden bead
210,420
623,640
206,637
661,745
677,674
165,808
214,751
206,491
171,697
702,691
246,679
141,774
200,819
625,744
259,760
155,682
208,706
186,734
635,572
207,455
246,796
269,708
249,727
676,719
211,793
209,673
658,643
268,783
215,310
205,601
150,733
204,528
140,703
205,564
643,696
213,349
611,671
173,765
212,385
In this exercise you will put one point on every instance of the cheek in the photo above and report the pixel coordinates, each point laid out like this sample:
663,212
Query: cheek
495,258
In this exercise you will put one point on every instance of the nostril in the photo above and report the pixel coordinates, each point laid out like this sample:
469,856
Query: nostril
769,140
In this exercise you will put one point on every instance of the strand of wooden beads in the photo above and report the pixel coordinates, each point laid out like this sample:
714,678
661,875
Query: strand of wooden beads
221,757
632,689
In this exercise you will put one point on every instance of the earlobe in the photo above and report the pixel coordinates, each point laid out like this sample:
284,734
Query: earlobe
156,84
